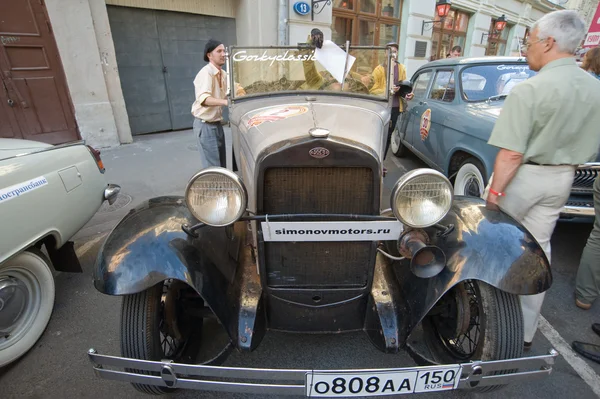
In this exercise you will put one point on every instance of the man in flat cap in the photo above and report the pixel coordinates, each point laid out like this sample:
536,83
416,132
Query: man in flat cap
210,86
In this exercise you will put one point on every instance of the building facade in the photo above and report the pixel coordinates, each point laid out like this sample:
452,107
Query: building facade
107,70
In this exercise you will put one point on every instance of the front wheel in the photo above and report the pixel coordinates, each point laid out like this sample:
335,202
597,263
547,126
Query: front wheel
398,149
26,303
475,321
156,326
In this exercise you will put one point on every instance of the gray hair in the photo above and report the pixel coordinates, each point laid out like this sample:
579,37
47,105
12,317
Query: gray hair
565,26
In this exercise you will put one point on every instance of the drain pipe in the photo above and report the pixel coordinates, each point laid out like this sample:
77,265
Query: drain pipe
282,39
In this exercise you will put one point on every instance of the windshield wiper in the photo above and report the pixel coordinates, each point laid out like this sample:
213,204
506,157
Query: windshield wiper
496,97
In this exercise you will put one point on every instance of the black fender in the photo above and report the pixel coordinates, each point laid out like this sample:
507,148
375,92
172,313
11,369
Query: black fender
149,246
485,245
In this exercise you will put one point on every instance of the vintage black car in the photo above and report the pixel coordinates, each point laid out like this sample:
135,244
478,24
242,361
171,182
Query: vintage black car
297,240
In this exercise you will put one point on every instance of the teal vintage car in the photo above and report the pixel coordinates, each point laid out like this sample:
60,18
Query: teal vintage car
449,121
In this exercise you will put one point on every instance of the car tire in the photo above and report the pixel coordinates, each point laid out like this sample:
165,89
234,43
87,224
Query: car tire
494,317
469,179
143,335
27,299
398,149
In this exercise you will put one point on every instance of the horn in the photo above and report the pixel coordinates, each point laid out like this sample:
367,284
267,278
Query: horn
426,261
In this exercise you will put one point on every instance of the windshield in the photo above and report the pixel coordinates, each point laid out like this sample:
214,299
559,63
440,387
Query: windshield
259,71
481,82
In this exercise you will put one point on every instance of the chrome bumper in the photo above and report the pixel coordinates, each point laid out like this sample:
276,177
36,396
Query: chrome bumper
111,192
296,382
578,211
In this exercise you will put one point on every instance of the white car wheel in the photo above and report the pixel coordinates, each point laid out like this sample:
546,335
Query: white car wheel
469,179
396,145
26,303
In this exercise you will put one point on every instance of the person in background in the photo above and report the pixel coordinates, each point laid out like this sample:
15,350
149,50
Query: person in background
210,87
587,283
548,125
590,351
398,74
591,62
455,52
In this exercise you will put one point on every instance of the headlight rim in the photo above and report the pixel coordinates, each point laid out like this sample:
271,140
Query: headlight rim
226,172
404,180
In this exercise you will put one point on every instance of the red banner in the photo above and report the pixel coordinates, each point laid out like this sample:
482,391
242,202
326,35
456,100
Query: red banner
593,37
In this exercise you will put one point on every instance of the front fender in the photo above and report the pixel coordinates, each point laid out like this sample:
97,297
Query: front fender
148,246
484,245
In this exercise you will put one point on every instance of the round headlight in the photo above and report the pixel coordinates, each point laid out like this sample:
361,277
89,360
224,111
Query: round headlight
421,198
216,196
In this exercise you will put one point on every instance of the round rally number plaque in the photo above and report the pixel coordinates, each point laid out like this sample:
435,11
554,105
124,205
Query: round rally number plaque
318,152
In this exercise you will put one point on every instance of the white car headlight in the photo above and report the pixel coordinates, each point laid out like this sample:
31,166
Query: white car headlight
216,196
421,198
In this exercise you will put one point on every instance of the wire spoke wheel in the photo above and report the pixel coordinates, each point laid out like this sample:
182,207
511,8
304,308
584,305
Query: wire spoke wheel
475,321
156,325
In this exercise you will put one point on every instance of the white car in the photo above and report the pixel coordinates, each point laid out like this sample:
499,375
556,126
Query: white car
47,193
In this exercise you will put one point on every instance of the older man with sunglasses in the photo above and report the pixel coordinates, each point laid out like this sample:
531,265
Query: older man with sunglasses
548,125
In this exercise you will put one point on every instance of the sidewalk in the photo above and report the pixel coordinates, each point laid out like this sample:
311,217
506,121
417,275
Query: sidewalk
153,165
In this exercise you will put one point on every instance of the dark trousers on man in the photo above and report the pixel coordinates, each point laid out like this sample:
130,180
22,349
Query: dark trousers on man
211,144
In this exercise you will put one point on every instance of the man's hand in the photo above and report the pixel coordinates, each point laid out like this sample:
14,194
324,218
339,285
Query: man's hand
395,89
410,96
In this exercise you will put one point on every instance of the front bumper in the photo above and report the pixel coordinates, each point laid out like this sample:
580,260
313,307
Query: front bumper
576,211
111,192
299,382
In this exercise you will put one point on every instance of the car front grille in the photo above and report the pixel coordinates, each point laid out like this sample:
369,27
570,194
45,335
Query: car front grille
584,181
295,190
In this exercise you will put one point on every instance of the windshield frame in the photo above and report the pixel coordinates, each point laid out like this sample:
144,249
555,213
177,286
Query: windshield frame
464,68
231,50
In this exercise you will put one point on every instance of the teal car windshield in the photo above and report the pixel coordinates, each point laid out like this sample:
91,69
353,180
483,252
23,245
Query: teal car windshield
482,82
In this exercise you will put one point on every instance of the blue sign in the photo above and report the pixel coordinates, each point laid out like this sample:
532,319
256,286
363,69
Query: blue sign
301,7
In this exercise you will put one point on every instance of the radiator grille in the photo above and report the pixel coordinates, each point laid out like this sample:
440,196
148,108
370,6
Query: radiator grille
584,181
318,190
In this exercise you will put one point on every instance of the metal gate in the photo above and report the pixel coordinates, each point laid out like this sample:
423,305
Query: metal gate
158,54
34,100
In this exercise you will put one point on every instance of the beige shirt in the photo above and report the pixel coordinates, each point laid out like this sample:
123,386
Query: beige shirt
553,117
209,82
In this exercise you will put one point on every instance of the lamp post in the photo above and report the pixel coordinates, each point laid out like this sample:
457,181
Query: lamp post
442,8
315,5
499,26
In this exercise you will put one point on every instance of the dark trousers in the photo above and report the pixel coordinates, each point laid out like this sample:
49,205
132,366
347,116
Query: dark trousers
393,121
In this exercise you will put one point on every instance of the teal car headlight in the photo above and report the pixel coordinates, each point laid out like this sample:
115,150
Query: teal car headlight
421,198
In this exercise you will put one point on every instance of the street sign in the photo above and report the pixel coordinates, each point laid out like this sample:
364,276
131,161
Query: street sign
301,7
593,37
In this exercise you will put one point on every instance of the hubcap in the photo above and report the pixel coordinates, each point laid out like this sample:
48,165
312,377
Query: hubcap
395,141
472,187
20,303
14,299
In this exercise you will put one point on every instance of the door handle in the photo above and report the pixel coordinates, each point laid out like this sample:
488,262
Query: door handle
11,103
165,70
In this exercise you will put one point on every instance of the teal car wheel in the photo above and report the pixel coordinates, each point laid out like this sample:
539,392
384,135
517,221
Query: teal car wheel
469,179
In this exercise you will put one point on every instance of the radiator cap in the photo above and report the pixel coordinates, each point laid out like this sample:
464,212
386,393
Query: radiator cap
319,132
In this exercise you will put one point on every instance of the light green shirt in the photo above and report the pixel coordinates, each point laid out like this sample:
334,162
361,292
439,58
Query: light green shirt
552,118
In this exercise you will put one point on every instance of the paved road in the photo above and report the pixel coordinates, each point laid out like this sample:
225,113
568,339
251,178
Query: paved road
57,366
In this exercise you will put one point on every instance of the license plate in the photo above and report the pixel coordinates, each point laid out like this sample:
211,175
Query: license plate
378,383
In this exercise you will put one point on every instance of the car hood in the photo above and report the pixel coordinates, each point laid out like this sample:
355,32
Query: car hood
263,124
12,147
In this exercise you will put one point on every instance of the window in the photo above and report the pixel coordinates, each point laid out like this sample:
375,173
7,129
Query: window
421,84
443,88
497,40
366,22
449,33
484,81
